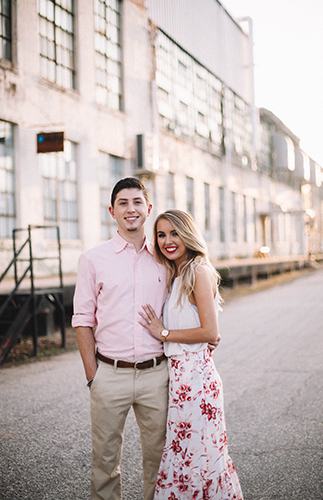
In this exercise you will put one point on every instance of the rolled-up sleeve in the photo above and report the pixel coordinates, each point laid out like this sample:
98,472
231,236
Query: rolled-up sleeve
85,295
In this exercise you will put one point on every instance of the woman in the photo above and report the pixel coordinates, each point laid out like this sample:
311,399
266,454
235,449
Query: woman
195,462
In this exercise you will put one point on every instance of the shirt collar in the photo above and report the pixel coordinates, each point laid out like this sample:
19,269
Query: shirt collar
120,244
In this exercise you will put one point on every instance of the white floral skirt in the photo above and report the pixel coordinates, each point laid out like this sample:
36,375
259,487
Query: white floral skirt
195,464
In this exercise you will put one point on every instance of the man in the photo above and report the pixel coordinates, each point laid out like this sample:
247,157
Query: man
124,365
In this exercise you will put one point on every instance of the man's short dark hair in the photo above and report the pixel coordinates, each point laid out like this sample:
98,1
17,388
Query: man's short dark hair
128,183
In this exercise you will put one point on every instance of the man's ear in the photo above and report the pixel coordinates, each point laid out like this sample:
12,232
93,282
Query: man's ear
149,209
111,210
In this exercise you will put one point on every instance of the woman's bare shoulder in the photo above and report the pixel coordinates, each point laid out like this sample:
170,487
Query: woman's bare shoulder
203,273
205,277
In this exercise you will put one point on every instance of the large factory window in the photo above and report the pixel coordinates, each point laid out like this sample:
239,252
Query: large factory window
190,98
107,24
238,119
7,181
60,191
56,29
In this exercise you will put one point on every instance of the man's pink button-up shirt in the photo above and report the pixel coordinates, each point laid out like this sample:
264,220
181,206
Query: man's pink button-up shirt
113,282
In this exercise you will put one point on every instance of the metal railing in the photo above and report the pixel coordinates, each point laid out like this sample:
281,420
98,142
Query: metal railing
30,261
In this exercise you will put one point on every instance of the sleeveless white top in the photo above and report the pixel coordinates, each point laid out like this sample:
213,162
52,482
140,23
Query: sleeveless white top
179,317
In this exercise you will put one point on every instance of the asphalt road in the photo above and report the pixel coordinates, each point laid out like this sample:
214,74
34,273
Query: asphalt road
271,362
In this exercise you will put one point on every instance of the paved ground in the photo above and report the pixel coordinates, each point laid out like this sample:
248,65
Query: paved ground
270,360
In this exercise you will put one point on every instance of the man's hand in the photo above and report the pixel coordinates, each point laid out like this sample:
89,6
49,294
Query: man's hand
86,343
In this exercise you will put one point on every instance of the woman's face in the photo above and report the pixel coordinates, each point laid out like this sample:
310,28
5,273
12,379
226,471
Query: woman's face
170,244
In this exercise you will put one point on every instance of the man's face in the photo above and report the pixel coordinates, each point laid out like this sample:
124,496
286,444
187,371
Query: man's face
130,210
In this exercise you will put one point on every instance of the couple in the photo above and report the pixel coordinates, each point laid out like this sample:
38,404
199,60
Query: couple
124,339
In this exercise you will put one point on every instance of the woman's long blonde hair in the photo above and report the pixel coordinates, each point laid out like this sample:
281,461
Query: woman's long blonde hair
197,251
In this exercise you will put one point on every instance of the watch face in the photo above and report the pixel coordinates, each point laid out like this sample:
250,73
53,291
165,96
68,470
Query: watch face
164,335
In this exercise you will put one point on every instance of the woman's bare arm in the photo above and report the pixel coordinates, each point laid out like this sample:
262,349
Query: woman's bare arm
204,298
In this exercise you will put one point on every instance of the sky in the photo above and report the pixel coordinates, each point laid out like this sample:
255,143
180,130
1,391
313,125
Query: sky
288,64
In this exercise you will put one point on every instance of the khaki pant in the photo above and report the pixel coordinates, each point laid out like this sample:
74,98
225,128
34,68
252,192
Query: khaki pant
113,392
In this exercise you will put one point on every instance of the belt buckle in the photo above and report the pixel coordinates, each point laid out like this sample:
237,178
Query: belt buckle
135,365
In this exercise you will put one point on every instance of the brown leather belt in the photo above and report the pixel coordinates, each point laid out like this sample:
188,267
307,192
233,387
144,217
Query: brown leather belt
137,365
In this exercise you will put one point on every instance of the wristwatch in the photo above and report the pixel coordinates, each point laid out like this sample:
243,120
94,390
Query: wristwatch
164,334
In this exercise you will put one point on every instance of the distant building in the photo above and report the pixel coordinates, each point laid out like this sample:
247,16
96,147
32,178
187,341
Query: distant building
297,214
161,90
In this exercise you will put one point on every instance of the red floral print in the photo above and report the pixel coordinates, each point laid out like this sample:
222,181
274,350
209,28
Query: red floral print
183,394
174,363
176,447
208,410
195,464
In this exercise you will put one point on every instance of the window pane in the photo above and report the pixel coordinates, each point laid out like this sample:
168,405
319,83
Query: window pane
221,213
3,203
207,207
170,191
234,216
6,7
190,195
5,29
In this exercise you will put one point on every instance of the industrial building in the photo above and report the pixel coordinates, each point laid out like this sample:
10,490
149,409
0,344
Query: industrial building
161,90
